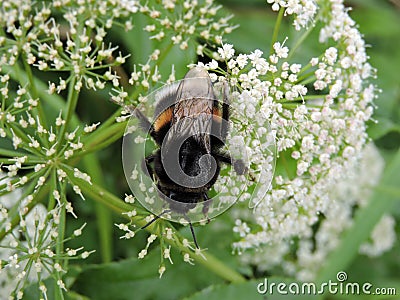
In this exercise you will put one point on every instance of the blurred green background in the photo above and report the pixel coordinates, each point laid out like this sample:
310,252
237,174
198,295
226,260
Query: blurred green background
128,278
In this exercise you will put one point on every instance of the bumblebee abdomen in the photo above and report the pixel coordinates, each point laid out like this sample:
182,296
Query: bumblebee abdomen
164,119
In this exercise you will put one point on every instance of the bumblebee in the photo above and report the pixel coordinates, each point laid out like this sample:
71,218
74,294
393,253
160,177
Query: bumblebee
190,128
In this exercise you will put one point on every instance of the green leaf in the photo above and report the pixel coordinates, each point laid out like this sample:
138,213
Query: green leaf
255,23
250,290
364,222
367,18
383,127
381,272
75,296
104,218
139,279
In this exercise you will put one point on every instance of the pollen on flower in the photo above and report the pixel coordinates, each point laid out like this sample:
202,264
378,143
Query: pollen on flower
188,259
86,254
78,191
91,128
70,209
61,284
78,232
131,213
168,233
167,254
226,52
161,270
81,175
142,253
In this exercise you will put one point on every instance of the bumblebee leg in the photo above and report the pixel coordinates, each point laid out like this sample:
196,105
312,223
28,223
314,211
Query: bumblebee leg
206,206
155,218
151,222
238,164
220,126
225,113
192,231
146,165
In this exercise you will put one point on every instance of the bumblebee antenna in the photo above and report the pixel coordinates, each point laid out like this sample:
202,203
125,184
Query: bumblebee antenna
155,218
192,231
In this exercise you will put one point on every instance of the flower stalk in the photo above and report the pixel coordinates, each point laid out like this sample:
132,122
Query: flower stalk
108,199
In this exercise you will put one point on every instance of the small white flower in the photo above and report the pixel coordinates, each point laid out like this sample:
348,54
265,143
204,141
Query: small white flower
161,270
226,52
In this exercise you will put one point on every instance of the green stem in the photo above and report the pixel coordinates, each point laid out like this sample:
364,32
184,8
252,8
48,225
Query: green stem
300,41
308,80
107,133
306,97
101,195
295,105
104,218
276,29
58,293
53,186
106,137
304,76
38,196
289,171
72,100
61,231
303,70
35,94
107,122
13,154
21,134
26,78
302,38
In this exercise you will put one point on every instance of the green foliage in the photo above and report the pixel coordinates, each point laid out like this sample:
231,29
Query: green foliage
136,279
130,278
380,23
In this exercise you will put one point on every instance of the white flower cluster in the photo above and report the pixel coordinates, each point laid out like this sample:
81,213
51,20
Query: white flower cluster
382,238
173,23
303,10
28,250
168,234
318,114
80,49
44,146
179,22
67,38
37,157
351,190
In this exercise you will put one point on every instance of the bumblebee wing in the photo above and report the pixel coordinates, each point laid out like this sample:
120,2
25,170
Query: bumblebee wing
165,98
193,110
196,125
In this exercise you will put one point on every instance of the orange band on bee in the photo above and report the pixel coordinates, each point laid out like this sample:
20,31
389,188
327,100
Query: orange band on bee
217,114
164,118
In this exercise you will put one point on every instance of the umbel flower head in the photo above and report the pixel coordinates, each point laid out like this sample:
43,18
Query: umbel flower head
44,140
314,112
40,134
317,113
